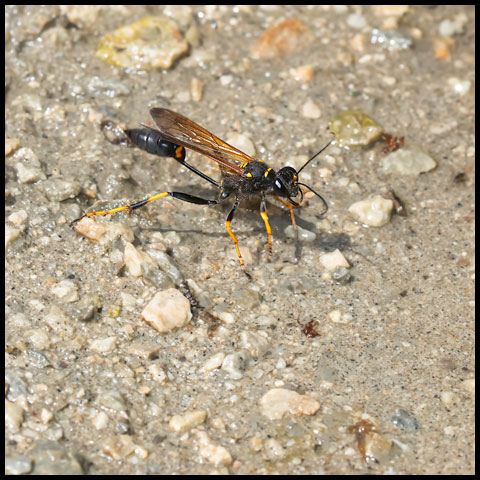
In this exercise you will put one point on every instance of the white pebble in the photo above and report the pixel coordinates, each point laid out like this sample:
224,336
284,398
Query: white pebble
278,401
236,363
46,416
167,310
311,110
100,420
103,345
304,235
28,167
214,362
18,217
255,342
373,212
66,290
211,452
333,260
408,161
11,234
335,316
188,420
459,86
356,20
13,415
274,450
133,259
226,317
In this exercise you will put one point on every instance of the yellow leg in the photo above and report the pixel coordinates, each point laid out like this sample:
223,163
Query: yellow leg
235,241
292,214
234,238
185,197
263,213
125,207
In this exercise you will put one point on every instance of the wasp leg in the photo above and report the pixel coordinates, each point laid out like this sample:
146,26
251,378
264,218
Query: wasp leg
263,213
185,197
291,208
198,172
234,238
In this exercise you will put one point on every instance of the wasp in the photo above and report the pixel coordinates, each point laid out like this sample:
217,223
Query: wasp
242,176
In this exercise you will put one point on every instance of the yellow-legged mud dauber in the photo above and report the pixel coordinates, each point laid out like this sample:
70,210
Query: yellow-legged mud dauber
242,175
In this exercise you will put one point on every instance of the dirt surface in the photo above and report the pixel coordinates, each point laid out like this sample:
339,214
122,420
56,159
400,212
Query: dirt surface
387,350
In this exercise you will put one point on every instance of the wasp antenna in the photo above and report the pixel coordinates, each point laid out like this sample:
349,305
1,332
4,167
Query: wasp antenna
325,204
315,156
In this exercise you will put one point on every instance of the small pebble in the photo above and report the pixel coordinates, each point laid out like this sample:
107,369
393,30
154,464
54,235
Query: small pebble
92,229
103,345
149,43
304,73
100,420
354,128
13,415
18,218
408,161
51,458
455,26
18,465
461,87
11,234
356,20
333,260
336,316
469,385
281,39
61,188
214,362
213,453
374,212
389,10
66,290
118,447
255,342
188,420
196,89
341,275
311,110
279,401
235,364
403,419
133,258
167,310
303,234
11,144
274,449
28,167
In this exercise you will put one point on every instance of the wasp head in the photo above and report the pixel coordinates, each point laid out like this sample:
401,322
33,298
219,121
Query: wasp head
286,184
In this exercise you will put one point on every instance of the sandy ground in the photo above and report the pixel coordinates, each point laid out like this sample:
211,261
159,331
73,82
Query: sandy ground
389,364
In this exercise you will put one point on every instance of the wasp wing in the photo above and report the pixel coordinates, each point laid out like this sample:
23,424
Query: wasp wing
182,131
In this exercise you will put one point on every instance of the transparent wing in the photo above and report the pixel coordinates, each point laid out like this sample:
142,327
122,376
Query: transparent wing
182,131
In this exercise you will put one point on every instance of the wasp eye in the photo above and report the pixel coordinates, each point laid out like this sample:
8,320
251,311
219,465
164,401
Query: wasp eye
278,184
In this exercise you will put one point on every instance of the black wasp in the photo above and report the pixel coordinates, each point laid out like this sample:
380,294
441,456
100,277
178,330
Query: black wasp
242,175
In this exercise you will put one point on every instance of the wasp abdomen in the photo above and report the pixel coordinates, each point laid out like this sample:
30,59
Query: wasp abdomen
152,142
